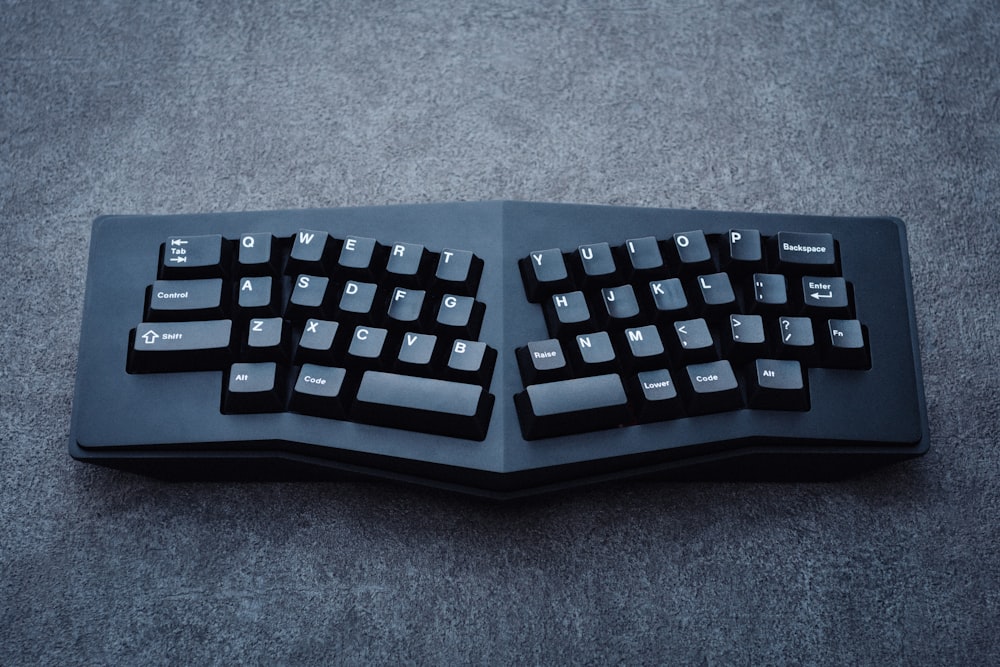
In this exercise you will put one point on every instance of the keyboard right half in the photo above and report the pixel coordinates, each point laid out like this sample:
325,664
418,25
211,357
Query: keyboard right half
711,344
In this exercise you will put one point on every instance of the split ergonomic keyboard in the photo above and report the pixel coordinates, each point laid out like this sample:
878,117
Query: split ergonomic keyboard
498,348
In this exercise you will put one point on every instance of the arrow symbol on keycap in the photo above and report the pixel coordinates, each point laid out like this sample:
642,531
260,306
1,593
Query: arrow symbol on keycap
817,295
178,242
179,260
150,337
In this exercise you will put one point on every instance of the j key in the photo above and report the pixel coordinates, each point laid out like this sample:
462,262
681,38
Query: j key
778,384
193,257
255,256
458,271
180,346
185,299
572,406
320,391
621,308
713,388
423,404
253,388
544,273
806,252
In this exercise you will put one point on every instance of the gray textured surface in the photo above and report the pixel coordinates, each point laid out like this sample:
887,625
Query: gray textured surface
833,108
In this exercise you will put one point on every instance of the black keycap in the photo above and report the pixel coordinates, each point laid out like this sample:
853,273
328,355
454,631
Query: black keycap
255,255
690,250
253,388
257,296
597,264
572,406
406,265
542,361
745,339
594,354
742,250
621,308
713,388
458,271
405,305
717,294
770,293
180,346
310,253
357,303
365,349
845,345
460,316
795,338
644,255
320,391
544,273
472,362
193,257
693,341
645,348
826,296
416,352
308,297
360,258
778,384
317,341
267,340
423,404
669,299
567,314
185,299
801,251
657,397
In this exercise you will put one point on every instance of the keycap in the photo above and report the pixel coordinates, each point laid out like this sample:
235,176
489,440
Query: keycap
180,346
423,404
572,406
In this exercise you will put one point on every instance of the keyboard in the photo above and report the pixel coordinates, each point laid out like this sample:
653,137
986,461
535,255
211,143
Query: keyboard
501,349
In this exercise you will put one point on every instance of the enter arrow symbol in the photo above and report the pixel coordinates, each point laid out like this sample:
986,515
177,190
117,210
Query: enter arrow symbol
817,296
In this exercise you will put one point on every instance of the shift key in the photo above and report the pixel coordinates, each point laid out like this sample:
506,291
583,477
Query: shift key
159,347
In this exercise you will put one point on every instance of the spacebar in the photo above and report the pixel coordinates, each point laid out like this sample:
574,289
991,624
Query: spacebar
423,404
